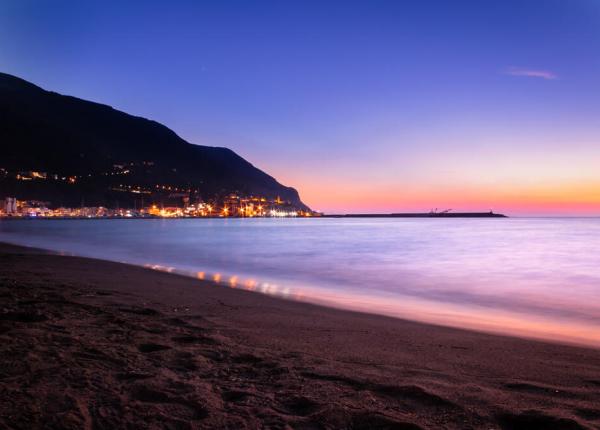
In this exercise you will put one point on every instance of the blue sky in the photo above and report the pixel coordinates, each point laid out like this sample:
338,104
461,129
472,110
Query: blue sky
372,105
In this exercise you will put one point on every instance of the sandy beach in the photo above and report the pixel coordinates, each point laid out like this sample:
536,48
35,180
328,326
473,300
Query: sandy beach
98,345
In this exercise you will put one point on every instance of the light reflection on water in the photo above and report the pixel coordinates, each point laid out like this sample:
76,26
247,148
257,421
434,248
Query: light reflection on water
533,277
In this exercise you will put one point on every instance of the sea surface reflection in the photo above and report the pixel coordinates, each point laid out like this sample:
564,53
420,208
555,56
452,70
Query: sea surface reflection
530,277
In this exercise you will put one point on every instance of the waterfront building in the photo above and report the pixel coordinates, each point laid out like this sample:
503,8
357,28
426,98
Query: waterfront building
10,206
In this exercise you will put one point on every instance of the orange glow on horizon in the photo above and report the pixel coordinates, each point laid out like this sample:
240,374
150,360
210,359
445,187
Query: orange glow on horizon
547,199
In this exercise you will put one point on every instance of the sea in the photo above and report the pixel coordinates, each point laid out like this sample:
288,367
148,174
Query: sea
530,277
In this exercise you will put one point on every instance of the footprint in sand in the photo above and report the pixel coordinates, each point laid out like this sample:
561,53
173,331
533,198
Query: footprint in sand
152,347
534,420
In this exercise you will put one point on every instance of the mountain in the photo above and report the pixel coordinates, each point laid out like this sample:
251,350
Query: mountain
71,151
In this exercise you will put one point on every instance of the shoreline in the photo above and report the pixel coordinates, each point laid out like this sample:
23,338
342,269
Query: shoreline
111,344
461,215
483,327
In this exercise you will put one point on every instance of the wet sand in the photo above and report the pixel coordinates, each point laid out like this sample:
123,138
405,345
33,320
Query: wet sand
98,345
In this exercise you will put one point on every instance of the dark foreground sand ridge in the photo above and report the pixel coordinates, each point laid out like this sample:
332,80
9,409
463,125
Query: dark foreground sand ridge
92,344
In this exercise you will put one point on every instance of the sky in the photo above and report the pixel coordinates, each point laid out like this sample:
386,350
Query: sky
363,106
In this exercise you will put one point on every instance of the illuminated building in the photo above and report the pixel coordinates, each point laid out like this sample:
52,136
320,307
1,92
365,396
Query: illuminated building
10,206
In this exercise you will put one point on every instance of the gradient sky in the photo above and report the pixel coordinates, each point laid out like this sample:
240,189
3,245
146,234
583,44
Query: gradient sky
362,106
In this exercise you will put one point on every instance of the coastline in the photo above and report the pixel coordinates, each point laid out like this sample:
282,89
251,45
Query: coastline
466,215
400,308
105,344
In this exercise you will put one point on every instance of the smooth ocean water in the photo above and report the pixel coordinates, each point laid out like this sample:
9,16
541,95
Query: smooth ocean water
530,277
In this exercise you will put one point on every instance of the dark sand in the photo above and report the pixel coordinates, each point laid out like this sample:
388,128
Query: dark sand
92,344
